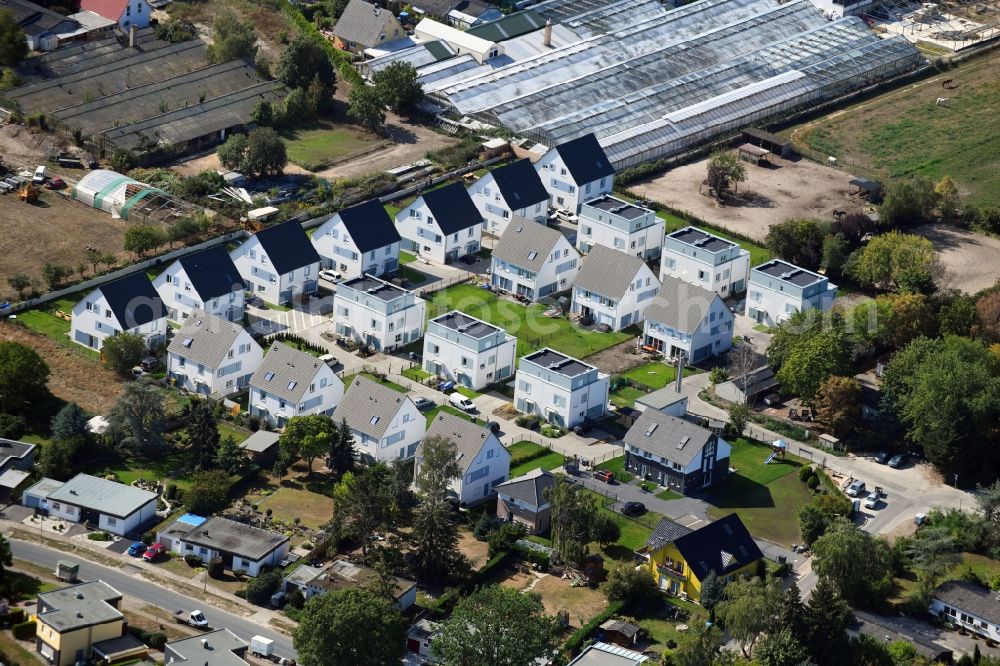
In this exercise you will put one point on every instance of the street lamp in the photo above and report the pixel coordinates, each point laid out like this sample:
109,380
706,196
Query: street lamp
956,480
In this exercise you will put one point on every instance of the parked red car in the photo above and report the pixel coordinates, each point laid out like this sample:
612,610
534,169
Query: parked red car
154,552
604,475
55,183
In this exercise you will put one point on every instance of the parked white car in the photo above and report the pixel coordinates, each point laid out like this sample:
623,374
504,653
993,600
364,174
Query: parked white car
331,276
461,402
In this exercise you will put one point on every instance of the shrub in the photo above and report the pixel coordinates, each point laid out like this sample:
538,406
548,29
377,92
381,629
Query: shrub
193,560
99,536
575,641
260,589
216,568
170,491
15,616
529,421
148,538
805,472
483,528
24,630
812,482
541,558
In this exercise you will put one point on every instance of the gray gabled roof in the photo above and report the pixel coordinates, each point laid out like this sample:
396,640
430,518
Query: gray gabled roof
205,339
260,441
369,407
680,305
666,531
107,497
286,372
969,597
468,437
526,243
362,23
608,272
677,440
529,488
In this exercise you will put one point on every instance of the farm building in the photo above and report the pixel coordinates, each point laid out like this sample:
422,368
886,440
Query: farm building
650,81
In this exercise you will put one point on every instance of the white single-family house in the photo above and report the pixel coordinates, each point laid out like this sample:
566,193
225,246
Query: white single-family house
968,605
210,355
575,172
378,313
533,260
290,383
778,289
128,304
561,389
685,318
279,263
359,240
108,505
468,351
613,288
441,225
620,225
127,13
206,281
385,423
514,189
706,260
242,547
482,457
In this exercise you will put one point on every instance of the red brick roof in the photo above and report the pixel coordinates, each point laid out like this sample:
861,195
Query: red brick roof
109,9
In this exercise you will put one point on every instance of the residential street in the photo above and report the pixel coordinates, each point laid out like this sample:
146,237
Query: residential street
132,584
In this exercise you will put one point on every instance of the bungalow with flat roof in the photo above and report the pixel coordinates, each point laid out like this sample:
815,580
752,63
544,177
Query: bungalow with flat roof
508,191
441,225
241,547
533,260
575,172
128,304
214,648
71,620
468,351
290,382
210,355
480,49
704,259
482,457
779,289
205,280
377,313
108,505
675,453
667,400
613,289
606,654
561,389
385,423
359,240
687,319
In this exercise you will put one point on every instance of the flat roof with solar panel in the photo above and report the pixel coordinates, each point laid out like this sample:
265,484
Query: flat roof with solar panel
463,323
790,273
701,239
616,206
373,286
559,363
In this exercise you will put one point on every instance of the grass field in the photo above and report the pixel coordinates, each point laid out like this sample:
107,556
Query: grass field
44,320
533,329
319,145
766,497
656,374
393,385
634,531
226,430
312,509
548,461
444,408
662,628
904,133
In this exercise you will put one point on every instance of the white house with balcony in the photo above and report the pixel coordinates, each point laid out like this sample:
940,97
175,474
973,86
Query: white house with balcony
511,190
468,351
613,289
706,260
575,172
206,281
779,289
278,263
533,260
378,313
290,383
385,423
441,225
128,304
210,355
685,318
359,240
619,225
482,457
561,389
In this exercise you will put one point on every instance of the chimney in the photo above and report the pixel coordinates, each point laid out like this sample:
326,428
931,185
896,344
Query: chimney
680,371
547,34
131,36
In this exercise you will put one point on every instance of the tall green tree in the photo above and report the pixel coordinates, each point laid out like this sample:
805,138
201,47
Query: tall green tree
13,44
857,563
797,241
57,459
572,518
265,153
837,404
813,360
398,87
24,377
365,105
958,316
826,619
229,457
20,283
232,151
498,626
202,433
209,492
350,626
725,170
700,647
136,420
305,60
123,351
907,203
435,531
363,504
309,437
897,262
143,238
232,39
70,421
713,590
749,609
342,455
781,649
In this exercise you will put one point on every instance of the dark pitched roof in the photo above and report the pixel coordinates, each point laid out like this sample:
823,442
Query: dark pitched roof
369,225
666,531
972,598
529,488
287,246
133,300
508,27
453,208
585,159
520,184
363,23
722,546
212,272
671,438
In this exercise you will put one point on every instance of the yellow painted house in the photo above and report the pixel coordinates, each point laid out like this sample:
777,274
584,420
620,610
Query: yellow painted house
70,621
680,558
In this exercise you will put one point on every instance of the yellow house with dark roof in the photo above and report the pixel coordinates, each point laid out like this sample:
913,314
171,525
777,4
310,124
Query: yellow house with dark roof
679,558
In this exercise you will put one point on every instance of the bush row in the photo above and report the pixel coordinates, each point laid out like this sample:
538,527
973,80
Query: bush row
575,641
447,601
154,639
23,630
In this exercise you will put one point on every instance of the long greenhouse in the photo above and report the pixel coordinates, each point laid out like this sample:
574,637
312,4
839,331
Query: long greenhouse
673,78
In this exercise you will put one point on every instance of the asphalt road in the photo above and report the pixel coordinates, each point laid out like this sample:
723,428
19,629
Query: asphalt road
140,588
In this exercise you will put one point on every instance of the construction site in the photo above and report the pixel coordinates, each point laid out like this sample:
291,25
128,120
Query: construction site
938,27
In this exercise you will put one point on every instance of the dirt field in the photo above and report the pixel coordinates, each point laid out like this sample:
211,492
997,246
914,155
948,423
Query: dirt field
73,378
972,261
477,551
616,360
582,603
787,190
57,229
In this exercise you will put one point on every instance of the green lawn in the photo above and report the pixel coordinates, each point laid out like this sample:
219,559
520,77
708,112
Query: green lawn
43,320
657,374
661,628
315,146
406,257
414,276
391,384
312,509
549,461
634,531
444,408
416,374
626,396
766,497
471,394
528,323
617,465
758,253
131,469
226,429
668,495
